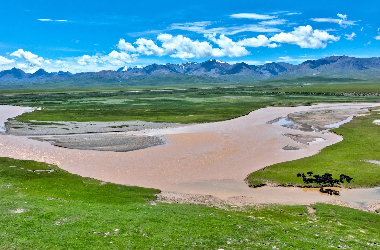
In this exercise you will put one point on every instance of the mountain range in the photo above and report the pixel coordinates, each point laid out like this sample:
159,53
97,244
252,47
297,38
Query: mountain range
206,72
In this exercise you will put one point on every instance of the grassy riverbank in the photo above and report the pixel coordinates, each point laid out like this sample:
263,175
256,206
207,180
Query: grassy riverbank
361,143
58,210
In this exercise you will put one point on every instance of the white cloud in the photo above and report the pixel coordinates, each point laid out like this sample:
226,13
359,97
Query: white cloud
344,17
343,22
273,22
290,59
30,62
244,28
293,13
148,47
51,20
253,16
350,37
201,27
87,60
377,37
227,47
114,58
29,57
305,37
183,47
122,45
259,41
279,12
144,47
6,61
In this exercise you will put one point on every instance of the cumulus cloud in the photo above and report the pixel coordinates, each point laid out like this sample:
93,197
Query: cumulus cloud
305,37
30,62
183,47
148,48
29,57
227,47
350,37
122,45
86,60
222,46
5,61
253,16
114,58
342,21
377,37
259,41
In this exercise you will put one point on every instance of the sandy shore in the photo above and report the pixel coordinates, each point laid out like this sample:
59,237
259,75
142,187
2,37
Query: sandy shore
203,159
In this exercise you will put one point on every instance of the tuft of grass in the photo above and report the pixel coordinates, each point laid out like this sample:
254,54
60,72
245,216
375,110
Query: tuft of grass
360,144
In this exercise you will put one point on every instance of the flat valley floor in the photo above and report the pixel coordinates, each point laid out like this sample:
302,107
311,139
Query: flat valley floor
206,161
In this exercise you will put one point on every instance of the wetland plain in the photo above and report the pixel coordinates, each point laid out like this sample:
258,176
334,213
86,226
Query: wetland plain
186,160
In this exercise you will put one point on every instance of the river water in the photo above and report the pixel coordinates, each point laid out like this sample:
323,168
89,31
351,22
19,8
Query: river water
204,159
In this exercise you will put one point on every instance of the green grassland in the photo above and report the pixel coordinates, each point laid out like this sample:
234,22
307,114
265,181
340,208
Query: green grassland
193,105
59,210
361,143
336,88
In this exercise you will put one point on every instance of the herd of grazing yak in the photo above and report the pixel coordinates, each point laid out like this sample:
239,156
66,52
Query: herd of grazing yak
325,180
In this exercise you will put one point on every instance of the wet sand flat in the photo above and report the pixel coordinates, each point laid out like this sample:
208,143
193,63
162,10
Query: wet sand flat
7,112
207,159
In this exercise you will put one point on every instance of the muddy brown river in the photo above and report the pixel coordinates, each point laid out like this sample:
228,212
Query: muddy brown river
204,159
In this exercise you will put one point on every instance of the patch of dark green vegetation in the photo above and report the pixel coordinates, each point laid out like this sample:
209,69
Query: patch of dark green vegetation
121,126
361,144
325,180
57,210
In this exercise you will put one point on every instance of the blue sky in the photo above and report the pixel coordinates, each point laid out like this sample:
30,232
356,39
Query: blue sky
84,35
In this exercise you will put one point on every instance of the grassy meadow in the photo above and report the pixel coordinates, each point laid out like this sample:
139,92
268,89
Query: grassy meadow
188,105
58,210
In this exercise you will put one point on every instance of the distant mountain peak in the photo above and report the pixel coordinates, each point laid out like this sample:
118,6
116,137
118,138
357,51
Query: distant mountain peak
123,69
40,72
14,72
